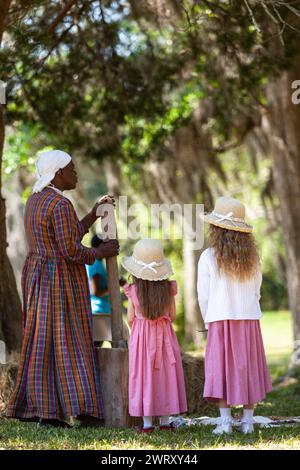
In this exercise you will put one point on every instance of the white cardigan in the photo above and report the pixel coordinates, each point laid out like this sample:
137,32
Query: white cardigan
223,298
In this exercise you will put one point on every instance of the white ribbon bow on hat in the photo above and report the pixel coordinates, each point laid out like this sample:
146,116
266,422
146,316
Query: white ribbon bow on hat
229,217
148,265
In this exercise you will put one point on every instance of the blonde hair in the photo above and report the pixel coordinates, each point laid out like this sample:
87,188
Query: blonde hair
154,297
236,252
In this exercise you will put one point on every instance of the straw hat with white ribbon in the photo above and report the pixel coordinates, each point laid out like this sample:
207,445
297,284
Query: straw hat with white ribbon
148,261
228,213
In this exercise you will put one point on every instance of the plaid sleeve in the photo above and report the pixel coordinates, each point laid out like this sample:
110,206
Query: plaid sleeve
68,235
81,230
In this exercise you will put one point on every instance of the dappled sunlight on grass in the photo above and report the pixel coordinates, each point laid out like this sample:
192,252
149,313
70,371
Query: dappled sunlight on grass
14,435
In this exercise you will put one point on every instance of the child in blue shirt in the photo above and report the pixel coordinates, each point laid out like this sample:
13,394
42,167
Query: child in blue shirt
97,277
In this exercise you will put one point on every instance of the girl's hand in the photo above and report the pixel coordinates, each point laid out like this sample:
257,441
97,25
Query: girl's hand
107,199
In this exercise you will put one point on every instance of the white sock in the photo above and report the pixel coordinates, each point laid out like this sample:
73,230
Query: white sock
164,420
248,416
225,414
147,421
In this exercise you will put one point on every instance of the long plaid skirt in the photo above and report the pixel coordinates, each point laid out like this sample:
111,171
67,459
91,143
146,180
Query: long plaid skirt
58,375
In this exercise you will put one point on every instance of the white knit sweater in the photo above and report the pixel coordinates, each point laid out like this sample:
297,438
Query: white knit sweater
223,298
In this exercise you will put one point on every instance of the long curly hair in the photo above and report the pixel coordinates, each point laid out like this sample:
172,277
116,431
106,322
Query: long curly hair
236,252
154,297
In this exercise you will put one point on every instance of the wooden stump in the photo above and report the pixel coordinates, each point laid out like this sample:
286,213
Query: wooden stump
113,365
193,368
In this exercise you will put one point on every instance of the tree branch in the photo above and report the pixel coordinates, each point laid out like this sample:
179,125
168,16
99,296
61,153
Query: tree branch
61,16
252,16
62,36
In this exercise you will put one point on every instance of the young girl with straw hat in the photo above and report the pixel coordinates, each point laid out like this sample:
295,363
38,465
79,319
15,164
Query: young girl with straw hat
156,380
229,280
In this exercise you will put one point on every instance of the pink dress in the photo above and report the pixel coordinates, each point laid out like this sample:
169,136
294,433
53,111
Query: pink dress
235,363
156,379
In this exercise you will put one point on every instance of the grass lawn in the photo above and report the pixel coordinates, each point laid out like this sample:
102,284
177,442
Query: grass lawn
283,401
278,339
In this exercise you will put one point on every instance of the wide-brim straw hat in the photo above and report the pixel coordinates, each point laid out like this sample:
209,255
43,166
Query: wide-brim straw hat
148,261
229,213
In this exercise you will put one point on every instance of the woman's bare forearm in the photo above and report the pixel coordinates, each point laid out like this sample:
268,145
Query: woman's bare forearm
88,221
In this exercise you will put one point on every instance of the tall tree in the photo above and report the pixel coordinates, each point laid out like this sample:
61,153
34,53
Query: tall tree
282,126
280,129
10,306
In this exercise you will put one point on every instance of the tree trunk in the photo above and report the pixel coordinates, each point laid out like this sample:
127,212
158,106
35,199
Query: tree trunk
10,306
282,126
113,177
17,246
194,325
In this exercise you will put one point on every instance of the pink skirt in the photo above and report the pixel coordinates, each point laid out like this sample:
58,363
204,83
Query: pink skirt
156,378
235,363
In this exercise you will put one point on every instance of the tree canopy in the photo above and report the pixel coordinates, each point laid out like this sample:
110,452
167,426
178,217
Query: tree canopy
116,79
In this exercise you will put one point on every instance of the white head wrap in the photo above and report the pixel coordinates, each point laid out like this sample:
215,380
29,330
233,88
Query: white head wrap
47,164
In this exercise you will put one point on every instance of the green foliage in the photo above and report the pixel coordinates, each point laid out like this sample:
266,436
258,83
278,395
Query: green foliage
23,142
117,81
273,292
19,149
143,136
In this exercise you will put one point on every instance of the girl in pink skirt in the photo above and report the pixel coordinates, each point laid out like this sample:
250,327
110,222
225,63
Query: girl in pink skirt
156,380
229,280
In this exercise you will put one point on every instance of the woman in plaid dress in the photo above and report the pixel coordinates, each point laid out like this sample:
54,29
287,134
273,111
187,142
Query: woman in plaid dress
58,375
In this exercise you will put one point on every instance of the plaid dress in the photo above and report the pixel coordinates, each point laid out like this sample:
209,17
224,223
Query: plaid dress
58,374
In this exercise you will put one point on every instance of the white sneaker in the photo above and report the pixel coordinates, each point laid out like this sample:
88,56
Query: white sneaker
224,427
247,428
